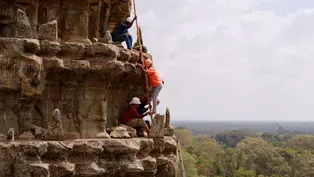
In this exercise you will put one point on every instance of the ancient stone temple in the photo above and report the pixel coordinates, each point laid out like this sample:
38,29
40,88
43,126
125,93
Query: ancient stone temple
61,91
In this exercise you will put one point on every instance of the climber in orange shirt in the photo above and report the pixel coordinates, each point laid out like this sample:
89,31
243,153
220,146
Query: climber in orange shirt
155,82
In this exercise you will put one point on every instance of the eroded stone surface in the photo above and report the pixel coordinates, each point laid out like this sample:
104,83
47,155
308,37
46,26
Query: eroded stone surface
23,27
48,62
169,131
157,127
49,31
55,131
119,132
130,130
85,158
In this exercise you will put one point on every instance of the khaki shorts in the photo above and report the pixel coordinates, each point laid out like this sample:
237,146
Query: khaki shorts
137,123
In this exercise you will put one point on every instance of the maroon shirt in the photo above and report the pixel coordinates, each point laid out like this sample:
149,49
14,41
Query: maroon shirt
130,114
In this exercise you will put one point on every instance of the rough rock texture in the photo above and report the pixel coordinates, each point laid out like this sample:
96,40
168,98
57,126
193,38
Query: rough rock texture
130,130
157,127
123,131
55,129
48,31
86,158
119,132
86,83
23,26
169,130
47,63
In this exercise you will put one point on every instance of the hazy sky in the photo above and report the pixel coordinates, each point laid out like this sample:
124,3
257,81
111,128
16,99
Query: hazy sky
232,59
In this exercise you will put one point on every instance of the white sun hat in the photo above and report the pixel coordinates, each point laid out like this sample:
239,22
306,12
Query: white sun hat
135,100
129,19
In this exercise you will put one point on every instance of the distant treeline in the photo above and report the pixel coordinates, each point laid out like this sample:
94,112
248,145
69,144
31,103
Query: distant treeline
210,127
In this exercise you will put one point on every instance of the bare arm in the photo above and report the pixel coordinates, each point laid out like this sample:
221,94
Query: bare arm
131,24
142,67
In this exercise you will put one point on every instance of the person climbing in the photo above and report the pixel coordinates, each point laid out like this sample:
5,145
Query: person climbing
121,33
132,118
155,81
142,108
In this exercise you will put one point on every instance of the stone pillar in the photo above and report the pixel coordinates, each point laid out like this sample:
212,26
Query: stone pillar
92,110
48,10
74,21
116,108
25,114
157,127
7,14
94,19
32,13
52,11
103,20
120,10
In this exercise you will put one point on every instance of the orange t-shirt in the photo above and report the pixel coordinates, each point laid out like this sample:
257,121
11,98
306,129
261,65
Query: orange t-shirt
153,77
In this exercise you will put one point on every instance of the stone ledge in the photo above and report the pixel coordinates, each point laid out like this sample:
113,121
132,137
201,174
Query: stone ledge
68,50
85,158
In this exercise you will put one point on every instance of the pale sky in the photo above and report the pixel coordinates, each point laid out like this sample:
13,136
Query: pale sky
232,59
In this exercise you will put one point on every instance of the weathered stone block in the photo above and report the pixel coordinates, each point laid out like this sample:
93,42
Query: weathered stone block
55,129
159,146
135,168
26,136
85,152
107,38
39,170
71,50
9,79
61,169
120,147
49,48
30,71
125,55
103,135
74,27
80,67
147,146
49,31
150,165
134,57
89,170
32,150
53,63
131,131
67,93
161,160
39,132
56,152
106,51
31,46
23,26
114,157
119,132
169,131
157,127
170,145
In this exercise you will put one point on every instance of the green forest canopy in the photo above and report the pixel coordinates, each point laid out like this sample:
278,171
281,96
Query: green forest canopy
244,154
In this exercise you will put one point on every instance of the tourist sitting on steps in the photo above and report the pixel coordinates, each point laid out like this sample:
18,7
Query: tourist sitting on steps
132,118
121,33
155,82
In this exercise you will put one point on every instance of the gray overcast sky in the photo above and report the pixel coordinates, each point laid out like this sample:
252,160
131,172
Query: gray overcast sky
232,59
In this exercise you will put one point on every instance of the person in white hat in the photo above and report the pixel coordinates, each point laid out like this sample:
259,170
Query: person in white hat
132,118
121,33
